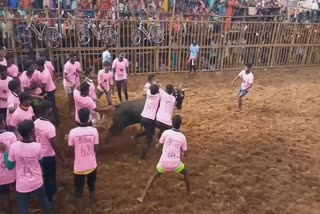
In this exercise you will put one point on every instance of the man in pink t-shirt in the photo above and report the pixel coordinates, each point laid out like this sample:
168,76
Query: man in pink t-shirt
48,65
84,139
164,114
70,74
105,83
120,67
7,177
30,79
83,100
46,136
4,90
26,155
13,70
13,98
23,112
48,87
174,143
148,116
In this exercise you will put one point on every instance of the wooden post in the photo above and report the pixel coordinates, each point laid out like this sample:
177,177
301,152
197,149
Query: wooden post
170,35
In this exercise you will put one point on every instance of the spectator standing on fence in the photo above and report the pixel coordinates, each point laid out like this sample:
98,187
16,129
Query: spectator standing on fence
105,82
106,56
194,54
3,60
120,67
13,70
25,154
4,90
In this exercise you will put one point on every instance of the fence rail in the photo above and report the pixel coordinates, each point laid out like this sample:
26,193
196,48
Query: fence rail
223,45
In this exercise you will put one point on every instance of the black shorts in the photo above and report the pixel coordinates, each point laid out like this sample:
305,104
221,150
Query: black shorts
5,189
163,126
79,181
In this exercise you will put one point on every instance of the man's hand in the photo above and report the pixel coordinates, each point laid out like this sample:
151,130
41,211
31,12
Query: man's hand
3,147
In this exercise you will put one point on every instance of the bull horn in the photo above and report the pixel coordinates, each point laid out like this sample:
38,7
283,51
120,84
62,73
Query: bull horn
180,85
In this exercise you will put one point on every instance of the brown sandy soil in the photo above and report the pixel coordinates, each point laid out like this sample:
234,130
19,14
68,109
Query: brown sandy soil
263,160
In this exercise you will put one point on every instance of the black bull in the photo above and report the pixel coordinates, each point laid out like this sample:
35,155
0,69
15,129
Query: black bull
129,113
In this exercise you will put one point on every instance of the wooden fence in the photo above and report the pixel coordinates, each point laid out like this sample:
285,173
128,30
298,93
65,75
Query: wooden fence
223,45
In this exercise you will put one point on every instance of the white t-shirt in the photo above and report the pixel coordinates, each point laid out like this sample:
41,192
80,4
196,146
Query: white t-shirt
247,79
106,56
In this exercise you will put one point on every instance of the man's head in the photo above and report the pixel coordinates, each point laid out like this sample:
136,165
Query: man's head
9,60
154,89
121,56
176,121
2,52
106,48
248,67
84,88
194,41
40,64
43,55
25,99
45,108
84,115
170,89
72,57
151,78
106,66
89,72
26,129
30,66
15,86
3,72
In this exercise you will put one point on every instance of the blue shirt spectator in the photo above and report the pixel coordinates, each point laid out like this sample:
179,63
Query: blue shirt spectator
194,50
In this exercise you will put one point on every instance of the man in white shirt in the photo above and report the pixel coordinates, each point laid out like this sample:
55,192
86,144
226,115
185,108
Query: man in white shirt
106,56
247,82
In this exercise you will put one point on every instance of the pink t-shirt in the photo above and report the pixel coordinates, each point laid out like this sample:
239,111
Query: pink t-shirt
13,102
92,89
20,115
167,103
50,67
151,106
247,79
26,81
78,66
121,69
173,142
4,62
70,70
82,102
6,176
28,169
105,79
13,71
4,92
46,79
83,139
45,131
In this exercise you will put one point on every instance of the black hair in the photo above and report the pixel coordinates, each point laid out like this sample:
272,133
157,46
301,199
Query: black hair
14,84
9,56
84,86
154,89
3,68
249,65
150,77
44,106
88,71
41,62
84,115
72,54
105,63
176,121
28,64
25,128
170,89
24,96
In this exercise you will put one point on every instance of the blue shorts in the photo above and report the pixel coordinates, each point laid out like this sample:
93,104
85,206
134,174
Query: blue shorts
243,92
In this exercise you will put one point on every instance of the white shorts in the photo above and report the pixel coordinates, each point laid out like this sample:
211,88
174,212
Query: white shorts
68,89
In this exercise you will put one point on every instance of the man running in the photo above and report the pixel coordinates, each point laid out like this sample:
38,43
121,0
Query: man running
105,83
247,82
120,67
174,143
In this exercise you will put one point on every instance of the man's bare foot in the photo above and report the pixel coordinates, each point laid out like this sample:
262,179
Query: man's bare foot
140,199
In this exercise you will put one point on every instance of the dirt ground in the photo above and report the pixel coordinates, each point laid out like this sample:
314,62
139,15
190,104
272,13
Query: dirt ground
263,160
